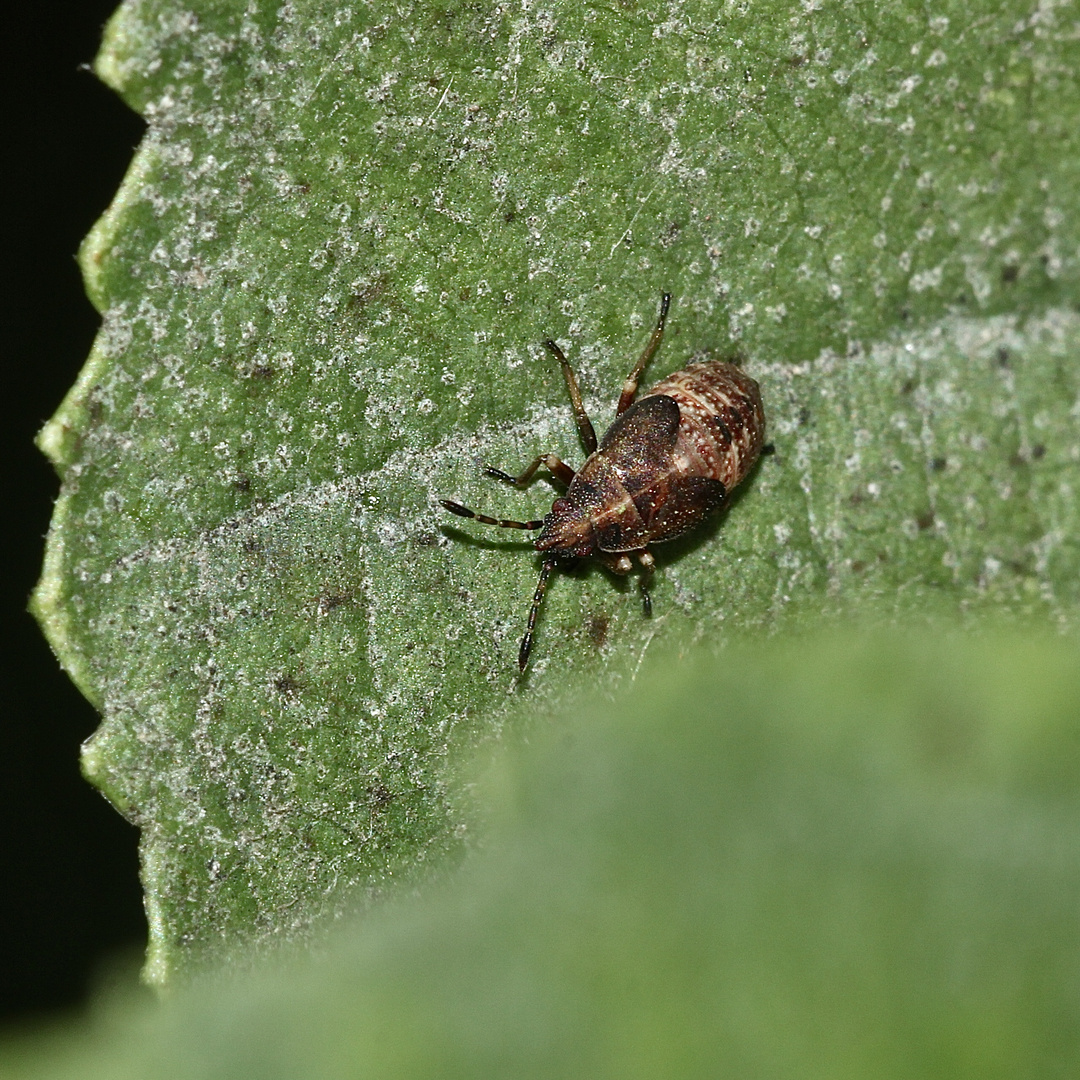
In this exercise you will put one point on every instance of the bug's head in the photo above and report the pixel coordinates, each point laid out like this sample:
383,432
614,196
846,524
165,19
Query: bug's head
568,530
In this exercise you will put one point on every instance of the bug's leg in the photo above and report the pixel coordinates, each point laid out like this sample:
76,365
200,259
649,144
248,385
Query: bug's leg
629,390
559,469
538,596
581,417
465,512
648,565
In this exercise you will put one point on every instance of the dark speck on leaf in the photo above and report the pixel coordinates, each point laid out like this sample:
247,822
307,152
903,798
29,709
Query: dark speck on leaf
287,686
369,291
596,628
329,601
381,795
939,464
670,234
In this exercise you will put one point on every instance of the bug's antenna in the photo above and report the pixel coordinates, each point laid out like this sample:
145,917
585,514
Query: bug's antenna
538,596
465,512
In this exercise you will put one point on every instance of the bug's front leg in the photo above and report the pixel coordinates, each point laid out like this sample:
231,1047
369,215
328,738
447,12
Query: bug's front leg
621,564
558,468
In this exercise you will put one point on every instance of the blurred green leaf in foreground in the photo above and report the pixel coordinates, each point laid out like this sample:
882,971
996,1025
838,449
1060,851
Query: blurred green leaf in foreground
323,283
825,858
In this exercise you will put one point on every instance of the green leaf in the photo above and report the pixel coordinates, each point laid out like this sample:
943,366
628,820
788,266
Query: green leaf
840,857
323,284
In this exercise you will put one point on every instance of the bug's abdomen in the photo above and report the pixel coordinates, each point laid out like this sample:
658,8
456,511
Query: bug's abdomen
721,421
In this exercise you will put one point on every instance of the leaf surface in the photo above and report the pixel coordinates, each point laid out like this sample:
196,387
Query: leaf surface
324,284
841,856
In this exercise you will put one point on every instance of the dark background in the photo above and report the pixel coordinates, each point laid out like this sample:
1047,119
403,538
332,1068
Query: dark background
69,895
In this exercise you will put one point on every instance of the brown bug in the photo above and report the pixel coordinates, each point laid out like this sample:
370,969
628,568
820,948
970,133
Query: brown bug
665,464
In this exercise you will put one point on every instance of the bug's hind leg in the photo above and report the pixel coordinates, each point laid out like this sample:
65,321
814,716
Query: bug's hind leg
558,468
629,390
648,566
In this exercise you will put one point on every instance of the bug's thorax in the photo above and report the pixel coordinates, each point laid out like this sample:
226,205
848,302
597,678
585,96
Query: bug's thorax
580,523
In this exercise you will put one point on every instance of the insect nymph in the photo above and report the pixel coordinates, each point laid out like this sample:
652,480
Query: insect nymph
666,464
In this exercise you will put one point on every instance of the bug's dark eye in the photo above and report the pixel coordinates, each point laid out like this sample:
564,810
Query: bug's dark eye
559,505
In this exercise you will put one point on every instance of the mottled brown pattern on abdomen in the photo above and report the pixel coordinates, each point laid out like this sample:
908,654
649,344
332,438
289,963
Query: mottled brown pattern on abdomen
722,423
